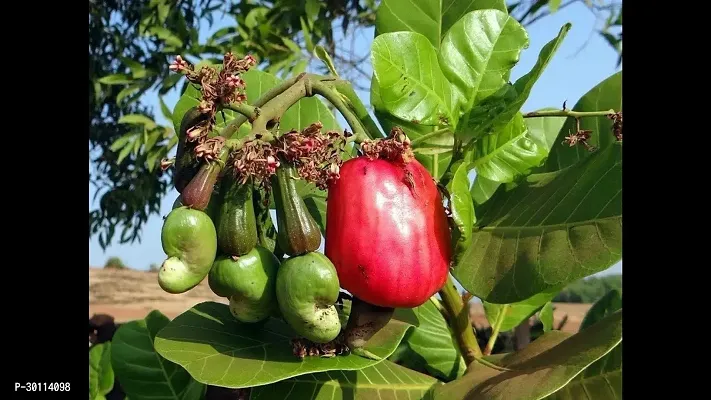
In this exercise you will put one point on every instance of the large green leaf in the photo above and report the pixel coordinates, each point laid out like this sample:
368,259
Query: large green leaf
382,380
551,230
605,96
482,189
434,153
507,153
305,112
498,109
432,341
142,372
539,369
431,18
478,53
512,315
544,130
101,375
462,207
412,86
603,378
219,350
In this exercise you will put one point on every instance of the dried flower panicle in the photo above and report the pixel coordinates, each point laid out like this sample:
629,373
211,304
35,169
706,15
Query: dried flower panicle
217,88
303,348
616,125
396,147
580,136
315,155
210,149
256,159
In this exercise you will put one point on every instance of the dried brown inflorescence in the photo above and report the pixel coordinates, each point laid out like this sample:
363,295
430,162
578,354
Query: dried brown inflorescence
616,125
580,136
256,159
305,348
396,147
316,155
209,150
223,87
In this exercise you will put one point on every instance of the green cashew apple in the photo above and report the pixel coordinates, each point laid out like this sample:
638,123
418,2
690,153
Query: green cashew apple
307,287
236,222
249,283
189,239
297,233
212,207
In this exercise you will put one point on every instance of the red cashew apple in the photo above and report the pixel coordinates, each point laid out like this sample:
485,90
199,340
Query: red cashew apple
387,232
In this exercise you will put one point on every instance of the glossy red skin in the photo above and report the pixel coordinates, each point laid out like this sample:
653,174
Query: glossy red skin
390,244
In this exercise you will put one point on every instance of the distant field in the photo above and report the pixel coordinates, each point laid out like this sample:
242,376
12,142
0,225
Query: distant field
129,294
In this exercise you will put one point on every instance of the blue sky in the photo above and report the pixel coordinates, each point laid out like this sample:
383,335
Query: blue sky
571,73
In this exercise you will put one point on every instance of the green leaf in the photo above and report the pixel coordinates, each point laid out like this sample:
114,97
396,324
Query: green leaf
507,153
152,139
307,35
609,303
546,316
165,110
603,378
462,206
432,341
116,79
122,141
101,375
478,53
125,152
125,92
321,53
219,350
516,313
137,119
434,154
291,45
166,35
539,369
553,5
551,230
544,130
138,71
142,372
412,86
500,108
483,189
604,96
299,67
383,380
312,9
430,18
254,17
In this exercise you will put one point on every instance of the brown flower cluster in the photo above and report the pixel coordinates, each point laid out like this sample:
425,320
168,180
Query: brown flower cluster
256,159
616,125
315,155
210,149
217,88
580,136
305,348
396,147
